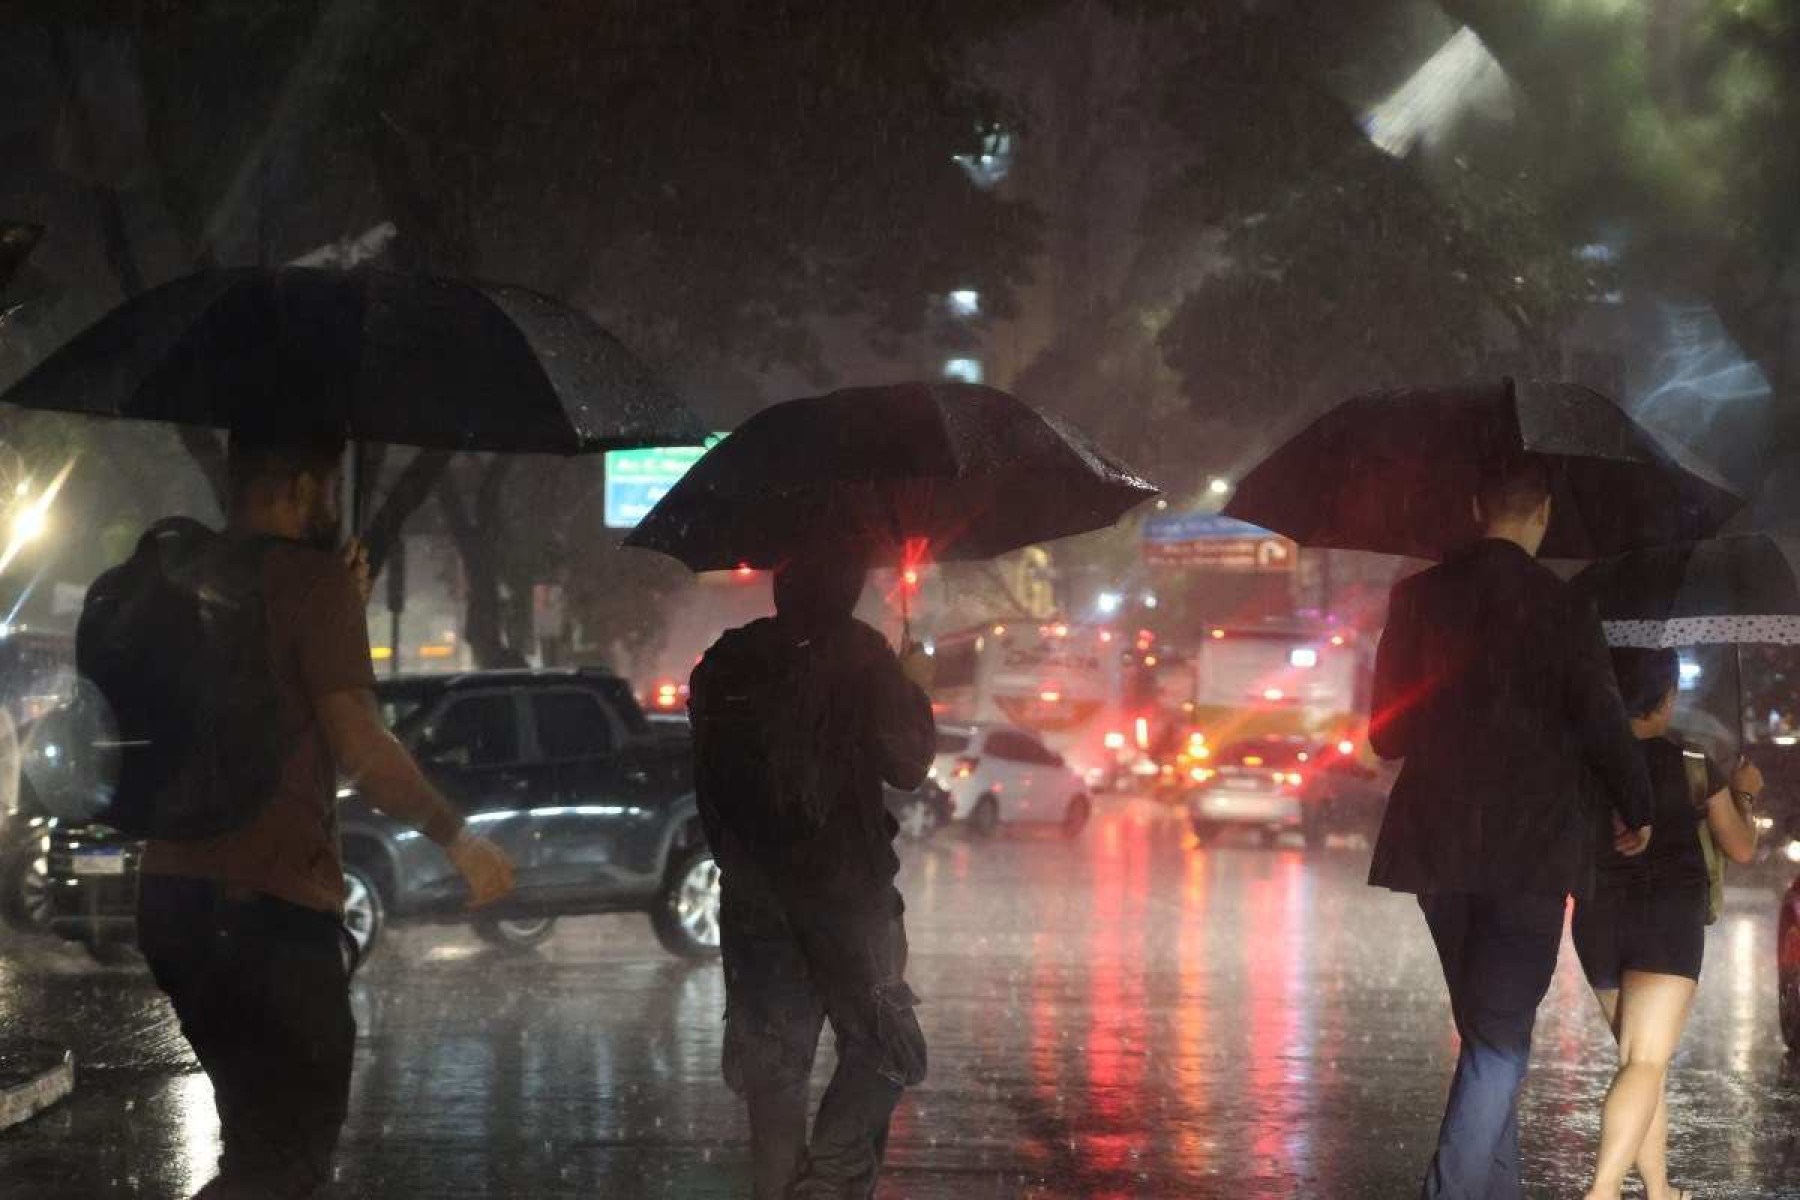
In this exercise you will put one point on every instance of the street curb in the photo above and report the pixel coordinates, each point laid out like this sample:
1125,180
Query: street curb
28,1087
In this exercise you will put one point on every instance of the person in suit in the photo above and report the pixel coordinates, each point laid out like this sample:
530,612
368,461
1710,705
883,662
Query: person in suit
1493,685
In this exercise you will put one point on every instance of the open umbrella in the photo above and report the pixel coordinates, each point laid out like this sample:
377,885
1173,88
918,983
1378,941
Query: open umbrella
1738,590
402,359
960,470
1392,472
1733,591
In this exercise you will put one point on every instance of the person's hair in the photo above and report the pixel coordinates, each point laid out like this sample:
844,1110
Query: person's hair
1646,677
260,456
1512,489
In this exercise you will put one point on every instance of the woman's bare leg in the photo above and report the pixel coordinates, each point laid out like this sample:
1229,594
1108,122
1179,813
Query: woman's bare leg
1648,1016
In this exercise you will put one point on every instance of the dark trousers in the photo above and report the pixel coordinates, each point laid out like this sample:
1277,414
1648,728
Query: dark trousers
261,989
789,969
1498,954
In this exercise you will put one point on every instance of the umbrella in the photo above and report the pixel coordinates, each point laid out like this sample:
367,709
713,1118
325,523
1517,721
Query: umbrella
407,360
1393,472
1727,591
961,470
1730,591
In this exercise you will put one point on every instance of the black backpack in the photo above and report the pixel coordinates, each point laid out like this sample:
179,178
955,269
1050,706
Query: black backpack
173,646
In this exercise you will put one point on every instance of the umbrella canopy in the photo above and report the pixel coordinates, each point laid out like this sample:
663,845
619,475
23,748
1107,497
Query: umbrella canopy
1741,590
969,471
1393,472
385,357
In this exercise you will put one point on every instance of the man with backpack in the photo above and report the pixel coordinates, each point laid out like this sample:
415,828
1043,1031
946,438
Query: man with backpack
238,758
798,720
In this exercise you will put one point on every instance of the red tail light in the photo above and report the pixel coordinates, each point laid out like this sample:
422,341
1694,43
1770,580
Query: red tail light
1291,780
965,767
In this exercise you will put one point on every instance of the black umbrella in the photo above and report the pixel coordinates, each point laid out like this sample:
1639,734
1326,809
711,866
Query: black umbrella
1393,472
403,359
1739,590
946,470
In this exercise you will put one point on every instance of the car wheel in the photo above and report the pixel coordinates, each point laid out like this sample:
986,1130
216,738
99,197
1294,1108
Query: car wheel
110,953
917,820
984,818
1075,817
1205,832
514,933
365,912
27,884
686,916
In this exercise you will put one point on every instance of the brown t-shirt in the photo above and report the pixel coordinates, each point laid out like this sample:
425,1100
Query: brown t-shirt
319,641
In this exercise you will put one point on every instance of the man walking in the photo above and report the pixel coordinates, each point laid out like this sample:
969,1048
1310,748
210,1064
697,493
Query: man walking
1493,683
243,930
798,720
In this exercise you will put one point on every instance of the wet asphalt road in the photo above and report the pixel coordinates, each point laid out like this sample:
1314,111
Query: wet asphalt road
1124,1016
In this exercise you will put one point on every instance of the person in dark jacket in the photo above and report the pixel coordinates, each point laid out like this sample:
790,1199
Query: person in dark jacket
1642,932
798,720
1492,683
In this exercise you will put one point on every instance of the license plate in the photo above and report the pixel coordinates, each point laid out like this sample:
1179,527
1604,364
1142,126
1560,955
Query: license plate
99,862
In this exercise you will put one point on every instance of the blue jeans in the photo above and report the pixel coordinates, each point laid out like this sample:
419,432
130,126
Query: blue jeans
1498,955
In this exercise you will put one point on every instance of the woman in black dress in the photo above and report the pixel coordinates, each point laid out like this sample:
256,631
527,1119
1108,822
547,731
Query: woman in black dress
1641,934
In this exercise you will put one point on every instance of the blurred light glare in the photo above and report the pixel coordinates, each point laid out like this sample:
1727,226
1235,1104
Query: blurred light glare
1109,602
1791,851
967,370
965,302
1304,657
30,525
1219,487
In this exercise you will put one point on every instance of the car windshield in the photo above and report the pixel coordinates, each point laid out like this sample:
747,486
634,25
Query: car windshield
1264,754
401,702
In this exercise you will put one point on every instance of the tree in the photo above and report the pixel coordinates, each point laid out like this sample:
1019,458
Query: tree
708,181
1673,125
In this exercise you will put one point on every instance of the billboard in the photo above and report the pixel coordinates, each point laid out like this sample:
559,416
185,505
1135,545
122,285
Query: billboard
637,479
1209,542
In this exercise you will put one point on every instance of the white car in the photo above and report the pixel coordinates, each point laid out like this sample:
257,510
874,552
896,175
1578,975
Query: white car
998,773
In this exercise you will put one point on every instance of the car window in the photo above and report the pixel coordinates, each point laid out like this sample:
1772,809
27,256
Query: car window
951,743
473,731
1014,747
571,724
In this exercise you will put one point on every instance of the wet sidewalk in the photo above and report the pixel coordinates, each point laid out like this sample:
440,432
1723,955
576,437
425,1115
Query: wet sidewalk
1126,1016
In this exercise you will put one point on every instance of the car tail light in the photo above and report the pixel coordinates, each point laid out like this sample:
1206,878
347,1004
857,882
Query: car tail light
1290,779
965,767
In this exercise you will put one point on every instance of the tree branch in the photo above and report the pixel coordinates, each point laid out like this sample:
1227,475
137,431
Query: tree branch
410,491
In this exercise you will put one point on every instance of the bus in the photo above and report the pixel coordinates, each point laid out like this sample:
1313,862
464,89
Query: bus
1281,680
1067,683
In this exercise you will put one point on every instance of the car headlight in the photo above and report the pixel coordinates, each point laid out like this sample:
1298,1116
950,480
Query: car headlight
1791,851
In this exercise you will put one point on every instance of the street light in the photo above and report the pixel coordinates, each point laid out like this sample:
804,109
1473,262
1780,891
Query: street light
1219,487
1108,603
29,524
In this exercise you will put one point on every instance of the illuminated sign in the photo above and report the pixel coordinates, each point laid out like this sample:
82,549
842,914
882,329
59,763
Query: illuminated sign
637,479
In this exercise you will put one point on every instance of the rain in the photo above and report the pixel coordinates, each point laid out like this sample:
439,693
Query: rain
1021,598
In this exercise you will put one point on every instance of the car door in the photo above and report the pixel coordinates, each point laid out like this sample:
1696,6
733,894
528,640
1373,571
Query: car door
1009,757
595,841
473,748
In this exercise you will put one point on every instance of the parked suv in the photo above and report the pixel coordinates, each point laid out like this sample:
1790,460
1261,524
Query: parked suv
560,768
